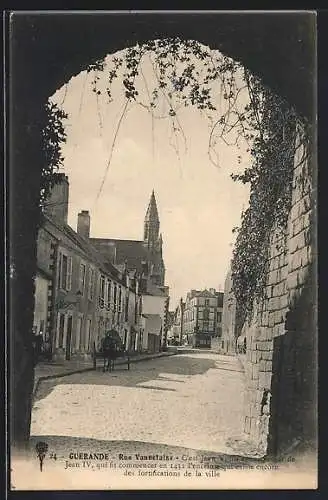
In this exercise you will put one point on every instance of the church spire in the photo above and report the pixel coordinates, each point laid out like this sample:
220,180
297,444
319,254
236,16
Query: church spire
151,226
152,212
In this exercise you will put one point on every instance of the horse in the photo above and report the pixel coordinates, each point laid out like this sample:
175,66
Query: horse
109,354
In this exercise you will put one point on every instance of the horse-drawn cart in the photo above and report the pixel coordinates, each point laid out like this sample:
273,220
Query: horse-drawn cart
109,357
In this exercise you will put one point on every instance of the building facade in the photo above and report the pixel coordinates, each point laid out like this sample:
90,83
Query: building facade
85,286
154,310
78,293
178,322
145,256
202,315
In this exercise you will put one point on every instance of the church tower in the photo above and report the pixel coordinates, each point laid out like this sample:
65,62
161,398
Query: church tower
151,225
153,243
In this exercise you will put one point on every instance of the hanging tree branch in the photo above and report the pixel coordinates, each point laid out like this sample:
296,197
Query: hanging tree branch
189,74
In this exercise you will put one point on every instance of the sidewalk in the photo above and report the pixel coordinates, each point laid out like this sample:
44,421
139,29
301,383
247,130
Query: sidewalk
55,369
242,360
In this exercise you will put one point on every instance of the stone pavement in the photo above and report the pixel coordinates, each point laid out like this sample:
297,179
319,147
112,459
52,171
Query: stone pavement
187,407
193,400
60,368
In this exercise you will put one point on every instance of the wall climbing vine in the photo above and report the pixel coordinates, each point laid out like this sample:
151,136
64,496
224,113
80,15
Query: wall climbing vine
239,110
270,177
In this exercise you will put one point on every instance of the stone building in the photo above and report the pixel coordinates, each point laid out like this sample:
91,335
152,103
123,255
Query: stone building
145,256
170,325
178,321
133,327
203,314
78,293
154,311
43,283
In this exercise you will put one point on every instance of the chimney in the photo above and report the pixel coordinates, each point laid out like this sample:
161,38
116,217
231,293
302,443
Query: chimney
56,206
83,224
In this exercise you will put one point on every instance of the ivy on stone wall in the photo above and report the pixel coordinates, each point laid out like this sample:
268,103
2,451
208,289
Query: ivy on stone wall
186,73
270,177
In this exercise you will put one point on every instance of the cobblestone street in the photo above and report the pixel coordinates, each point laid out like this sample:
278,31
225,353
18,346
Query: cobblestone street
191,400
172,422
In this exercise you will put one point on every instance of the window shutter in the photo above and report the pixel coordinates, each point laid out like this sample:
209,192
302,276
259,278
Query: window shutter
107,291
69,273
60,270
91,283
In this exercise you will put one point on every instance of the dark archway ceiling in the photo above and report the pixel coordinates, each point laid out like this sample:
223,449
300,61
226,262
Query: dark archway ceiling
48,49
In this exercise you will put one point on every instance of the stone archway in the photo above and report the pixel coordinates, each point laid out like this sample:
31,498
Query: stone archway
47,50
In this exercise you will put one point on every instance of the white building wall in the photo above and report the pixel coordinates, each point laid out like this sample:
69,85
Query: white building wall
152,304
41,303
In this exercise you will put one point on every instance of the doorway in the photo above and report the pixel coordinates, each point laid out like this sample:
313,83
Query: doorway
69,338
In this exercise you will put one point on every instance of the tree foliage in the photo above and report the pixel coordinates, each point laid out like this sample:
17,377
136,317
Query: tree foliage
270,177
53,136
186,73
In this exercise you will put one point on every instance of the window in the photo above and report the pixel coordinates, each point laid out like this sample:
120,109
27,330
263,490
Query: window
207,302
126,308
79,333
137,308
102,292
88,334
219,317
65,272
82,277
91,283
120,299
107,293
115,296
206,314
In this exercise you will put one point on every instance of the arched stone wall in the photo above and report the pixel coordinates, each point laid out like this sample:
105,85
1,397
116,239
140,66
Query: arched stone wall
47,50
279,47
281,357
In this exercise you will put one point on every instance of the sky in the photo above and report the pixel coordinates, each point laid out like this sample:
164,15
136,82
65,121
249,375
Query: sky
198,203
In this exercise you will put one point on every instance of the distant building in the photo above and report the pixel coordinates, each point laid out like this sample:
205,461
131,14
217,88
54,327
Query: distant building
170,325
202,316
178,322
